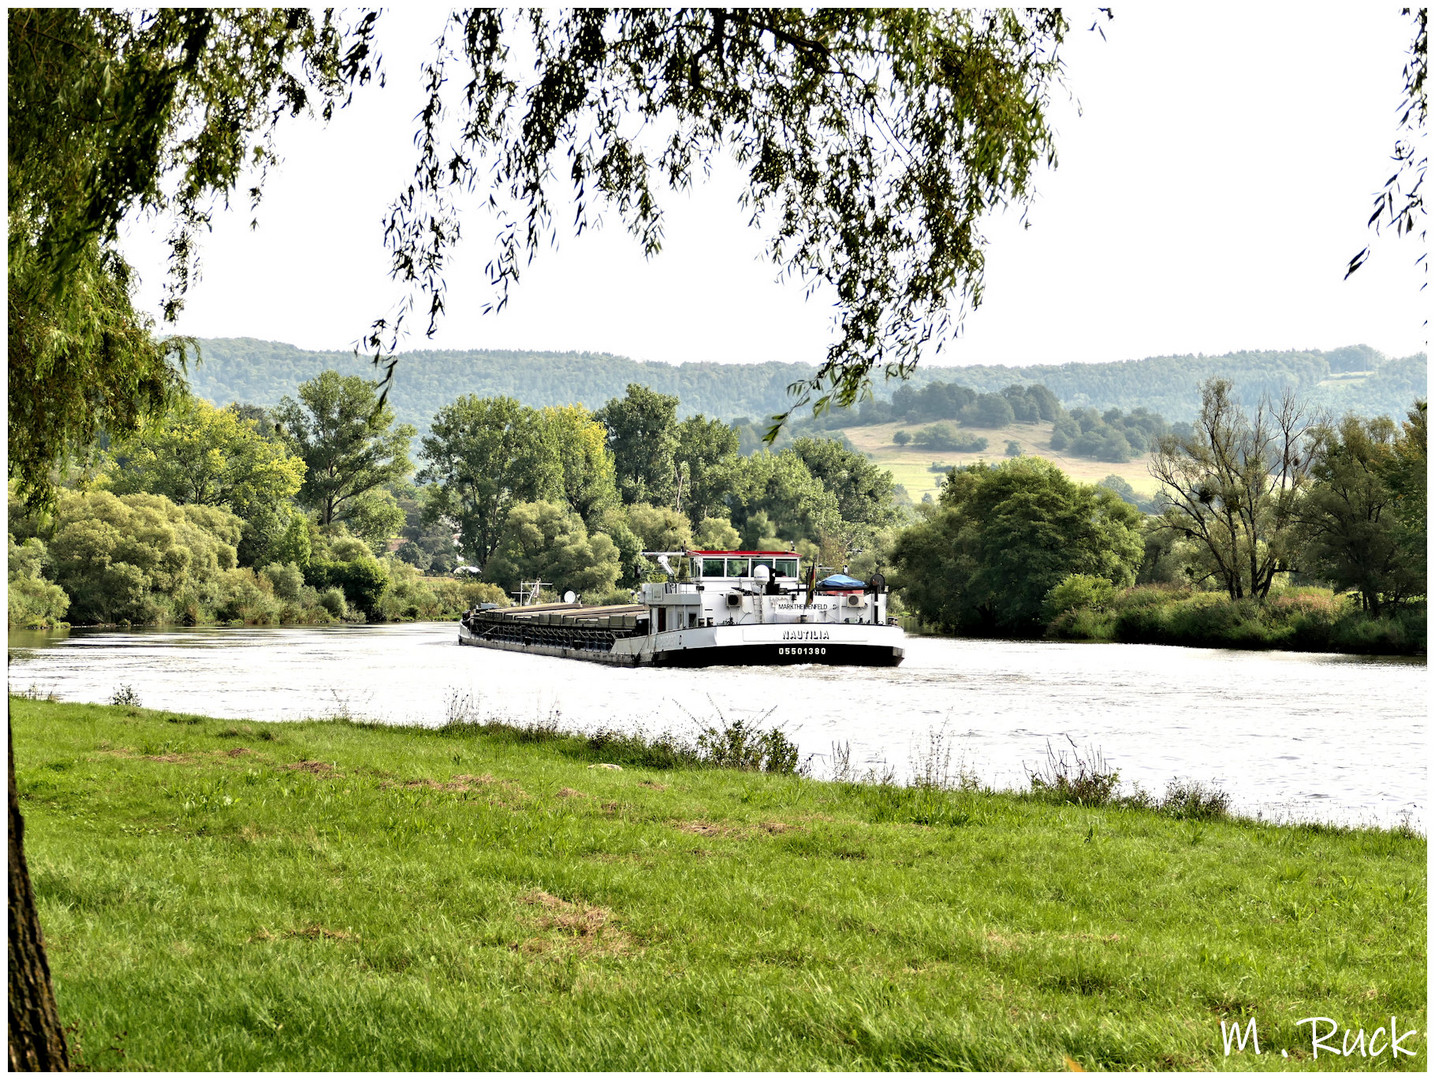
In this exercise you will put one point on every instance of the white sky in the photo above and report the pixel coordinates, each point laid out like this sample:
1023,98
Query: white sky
1208,198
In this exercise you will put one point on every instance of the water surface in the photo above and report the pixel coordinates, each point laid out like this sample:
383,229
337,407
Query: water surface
1289,735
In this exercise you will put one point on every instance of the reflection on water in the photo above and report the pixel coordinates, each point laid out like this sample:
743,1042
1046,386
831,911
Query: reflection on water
1314,736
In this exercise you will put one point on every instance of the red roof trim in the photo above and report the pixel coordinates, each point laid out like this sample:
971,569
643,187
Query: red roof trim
740,554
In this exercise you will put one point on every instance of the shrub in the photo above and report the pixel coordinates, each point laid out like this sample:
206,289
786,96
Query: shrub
738,746
1401,632
639,751
1084,624
1078,591
408,596
945,436
285,579
305,608
363,580
127,559
619,595
244,598
332,600
34,602
454,597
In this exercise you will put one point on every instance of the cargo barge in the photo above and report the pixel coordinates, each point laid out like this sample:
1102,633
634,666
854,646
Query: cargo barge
718,607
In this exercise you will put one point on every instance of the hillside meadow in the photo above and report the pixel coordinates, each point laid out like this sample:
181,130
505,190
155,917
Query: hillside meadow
329,895
911,466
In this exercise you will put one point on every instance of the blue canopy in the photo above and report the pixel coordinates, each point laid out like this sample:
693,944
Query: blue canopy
840,581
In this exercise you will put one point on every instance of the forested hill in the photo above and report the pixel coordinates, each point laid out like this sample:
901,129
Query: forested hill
261,372
1356,379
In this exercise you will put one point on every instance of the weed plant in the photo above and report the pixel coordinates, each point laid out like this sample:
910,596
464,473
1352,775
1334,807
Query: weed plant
480,896
125,695
1082,780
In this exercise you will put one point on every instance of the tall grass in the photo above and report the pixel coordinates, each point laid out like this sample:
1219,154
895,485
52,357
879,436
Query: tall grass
1305,619
725,744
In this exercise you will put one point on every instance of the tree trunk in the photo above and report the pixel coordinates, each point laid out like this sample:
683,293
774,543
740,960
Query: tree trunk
36,1041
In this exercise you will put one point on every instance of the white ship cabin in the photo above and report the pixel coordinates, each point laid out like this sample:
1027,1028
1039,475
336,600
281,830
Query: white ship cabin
733,588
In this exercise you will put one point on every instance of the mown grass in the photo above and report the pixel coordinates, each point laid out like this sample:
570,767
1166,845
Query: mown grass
326,895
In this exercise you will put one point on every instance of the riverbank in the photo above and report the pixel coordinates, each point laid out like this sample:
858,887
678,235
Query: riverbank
233,895
1299,620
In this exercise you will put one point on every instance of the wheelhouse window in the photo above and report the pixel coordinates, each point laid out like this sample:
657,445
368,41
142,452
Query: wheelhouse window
738,567
786,567
762,562
712,567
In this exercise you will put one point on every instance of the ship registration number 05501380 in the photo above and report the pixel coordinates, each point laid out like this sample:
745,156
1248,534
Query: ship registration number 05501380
802,650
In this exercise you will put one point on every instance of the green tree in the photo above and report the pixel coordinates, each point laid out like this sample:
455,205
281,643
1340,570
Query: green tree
78,364
581,443
1003,537
34,601
428,540
113,111
543,541
944,436
199,455
988,411
1406,476
716,534
642,434
1232,487
349,444
485,456
613,523
706,456
779,488
1349,528
864,492
163,111
375,517
140,558
660,528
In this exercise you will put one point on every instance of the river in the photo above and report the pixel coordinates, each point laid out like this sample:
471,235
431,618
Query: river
1291,736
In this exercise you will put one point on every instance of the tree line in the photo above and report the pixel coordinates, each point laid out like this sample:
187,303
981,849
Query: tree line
1253,506
1082,432
1355,379
322,507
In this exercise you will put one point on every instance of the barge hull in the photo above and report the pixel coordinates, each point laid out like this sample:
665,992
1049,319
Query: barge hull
718,647
765,655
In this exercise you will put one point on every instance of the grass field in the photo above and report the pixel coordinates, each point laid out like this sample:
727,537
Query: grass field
222,895
911,467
